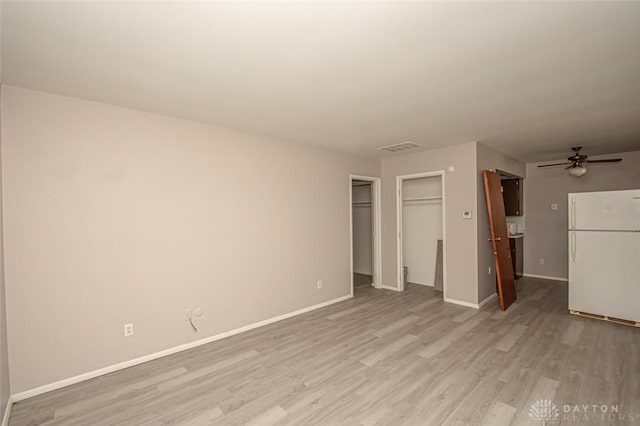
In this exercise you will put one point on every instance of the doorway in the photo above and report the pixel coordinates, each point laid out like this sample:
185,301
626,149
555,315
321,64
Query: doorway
421,231
364,197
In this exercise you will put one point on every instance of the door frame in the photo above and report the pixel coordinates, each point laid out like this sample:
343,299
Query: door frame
399,211
376,231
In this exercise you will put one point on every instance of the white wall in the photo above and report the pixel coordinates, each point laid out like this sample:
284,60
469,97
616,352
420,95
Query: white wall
362,231
546,234
460,234
491,159
115,216
421,228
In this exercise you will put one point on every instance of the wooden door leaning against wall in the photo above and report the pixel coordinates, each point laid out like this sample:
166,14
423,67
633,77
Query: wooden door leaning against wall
499,239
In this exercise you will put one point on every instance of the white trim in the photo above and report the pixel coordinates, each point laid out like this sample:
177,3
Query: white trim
422,284
376,211
461,303
487,300
150,357
7,412
544,277
399,258
386,287
399,201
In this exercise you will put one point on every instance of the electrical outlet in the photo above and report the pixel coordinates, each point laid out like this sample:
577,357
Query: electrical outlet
541,261
489,270
319,284
554,207
128,329
198,312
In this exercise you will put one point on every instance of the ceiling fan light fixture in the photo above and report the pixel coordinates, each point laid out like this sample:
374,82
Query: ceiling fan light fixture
577,171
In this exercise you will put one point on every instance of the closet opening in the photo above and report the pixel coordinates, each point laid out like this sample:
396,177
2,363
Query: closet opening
365,230
421,236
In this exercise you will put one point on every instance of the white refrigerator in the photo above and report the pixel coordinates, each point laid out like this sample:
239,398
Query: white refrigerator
604,253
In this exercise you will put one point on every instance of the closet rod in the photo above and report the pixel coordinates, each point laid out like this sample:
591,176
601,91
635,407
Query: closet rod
424,199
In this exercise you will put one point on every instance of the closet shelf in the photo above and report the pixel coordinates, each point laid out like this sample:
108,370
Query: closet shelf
423,199
363,204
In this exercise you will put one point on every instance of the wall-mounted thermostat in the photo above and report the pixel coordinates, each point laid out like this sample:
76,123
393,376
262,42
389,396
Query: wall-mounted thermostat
466,214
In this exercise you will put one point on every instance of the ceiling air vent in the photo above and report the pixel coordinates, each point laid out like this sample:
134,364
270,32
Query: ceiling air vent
399,146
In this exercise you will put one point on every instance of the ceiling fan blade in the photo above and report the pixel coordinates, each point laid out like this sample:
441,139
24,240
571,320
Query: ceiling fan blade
610,160
556,164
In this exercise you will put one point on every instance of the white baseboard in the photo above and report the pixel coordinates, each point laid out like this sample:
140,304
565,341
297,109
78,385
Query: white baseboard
386,287
422,284
544,277
126,364
7,412
487,300
461,303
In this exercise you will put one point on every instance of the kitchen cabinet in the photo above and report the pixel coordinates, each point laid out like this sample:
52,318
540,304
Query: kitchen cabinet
517,246
512,196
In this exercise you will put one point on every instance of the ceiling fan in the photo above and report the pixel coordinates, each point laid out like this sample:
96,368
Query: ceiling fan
576,162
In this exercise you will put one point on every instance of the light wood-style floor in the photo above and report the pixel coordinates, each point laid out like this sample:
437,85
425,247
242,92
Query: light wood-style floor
381,358
361,281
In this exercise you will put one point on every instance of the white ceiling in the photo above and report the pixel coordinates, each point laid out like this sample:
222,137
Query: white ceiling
529,79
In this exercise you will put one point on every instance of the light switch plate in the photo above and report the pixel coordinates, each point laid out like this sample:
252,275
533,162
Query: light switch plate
466,214
554,206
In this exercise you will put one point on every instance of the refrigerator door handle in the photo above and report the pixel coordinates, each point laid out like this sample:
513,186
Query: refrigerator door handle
573,246
572,225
